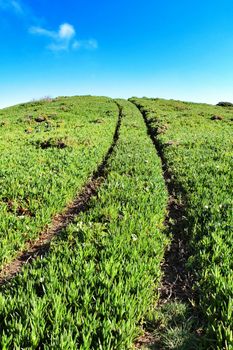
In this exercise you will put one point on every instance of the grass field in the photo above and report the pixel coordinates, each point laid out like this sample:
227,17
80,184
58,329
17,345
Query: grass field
100,279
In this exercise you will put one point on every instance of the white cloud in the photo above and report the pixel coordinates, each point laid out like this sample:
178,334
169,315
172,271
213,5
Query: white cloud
61,38
90,44
17,7
12,5
44,32
66,31
64,38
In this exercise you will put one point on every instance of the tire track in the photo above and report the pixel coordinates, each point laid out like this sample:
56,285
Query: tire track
41,245
177,281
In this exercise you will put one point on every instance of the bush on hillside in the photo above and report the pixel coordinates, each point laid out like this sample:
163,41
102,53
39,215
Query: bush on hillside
225,104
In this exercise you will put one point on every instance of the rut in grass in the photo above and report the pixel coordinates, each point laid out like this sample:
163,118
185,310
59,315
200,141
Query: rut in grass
177,281
177,296
41,245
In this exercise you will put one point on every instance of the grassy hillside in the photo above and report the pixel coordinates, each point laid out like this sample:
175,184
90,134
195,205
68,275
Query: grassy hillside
100,276
100,280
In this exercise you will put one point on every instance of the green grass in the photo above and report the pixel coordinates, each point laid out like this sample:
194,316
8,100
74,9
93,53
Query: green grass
98,284
99,280
172,325
49,149
198,152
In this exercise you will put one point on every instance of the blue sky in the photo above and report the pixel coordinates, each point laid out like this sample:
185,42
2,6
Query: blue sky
161,48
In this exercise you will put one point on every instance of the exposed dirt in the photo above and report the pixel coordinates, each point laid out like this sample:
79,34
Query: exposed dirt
145,340
41,245
40,119
97,121
16,208
29,130
216,117
177,281
50,143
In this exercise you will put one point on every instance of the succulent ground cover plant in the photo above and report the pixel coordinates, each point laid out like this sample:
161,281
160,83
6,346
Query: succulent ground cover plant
143,256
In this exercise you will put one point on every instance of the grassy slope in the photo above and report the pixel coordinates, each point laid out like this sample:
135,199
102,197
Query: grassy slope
198,152
37,183
99,279
82,293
